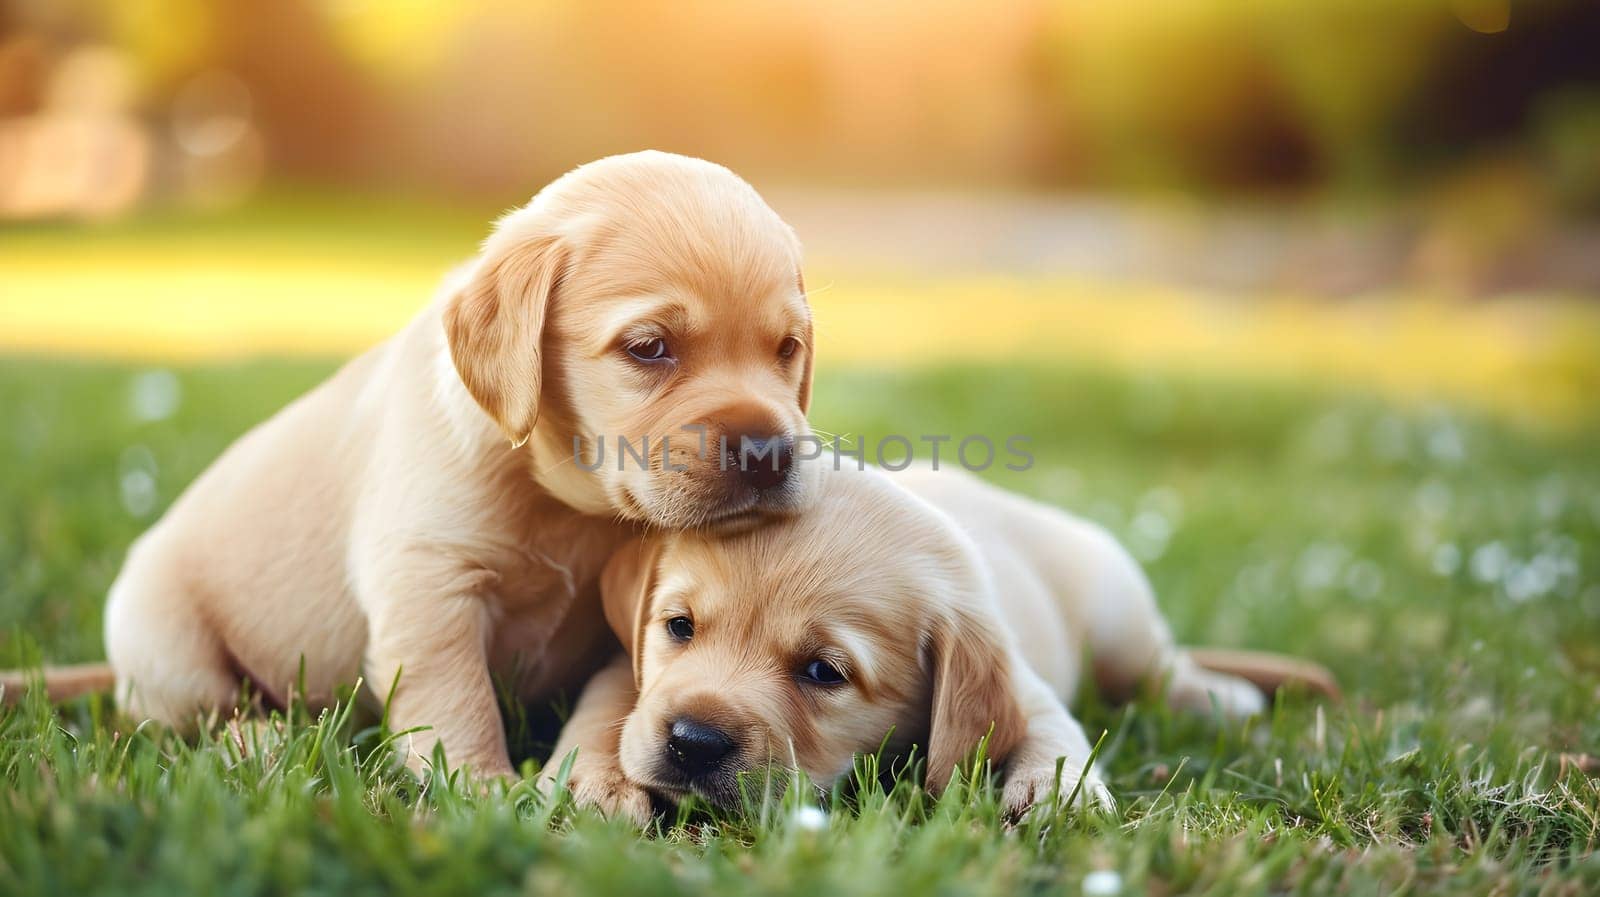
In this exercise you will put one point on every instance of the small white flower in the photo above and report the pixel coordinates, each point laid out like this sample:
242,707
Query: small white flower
810,819
1489,562
155,395
138,493
1446,559
1102,883
137,470
1151,530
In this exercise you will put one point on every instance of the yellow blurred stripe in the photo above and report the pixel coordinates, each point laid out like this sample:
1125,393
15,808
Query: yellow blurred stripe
1540,354
1533,354
171,306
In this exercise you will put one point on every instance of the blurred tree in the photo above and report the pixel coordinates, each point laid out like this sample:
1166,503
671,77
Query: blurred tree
1482,90
492,96
322,113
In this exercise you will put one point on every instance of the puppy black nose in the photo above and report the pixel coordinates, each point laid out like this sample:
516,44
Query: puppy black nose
696,748
763,461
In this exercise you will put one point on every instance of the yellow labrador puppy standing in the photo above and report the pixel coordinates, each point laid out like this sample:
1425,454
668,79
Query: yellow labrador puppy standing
925,604
428,516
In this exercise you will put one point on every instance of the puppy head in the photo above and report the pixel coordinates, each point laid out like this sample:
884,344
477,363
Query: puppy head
642,327
807,642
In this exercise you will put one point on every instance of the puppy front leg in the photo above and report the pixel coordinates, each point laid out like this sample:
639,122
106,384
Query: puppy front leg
595,731
437,648
1052,734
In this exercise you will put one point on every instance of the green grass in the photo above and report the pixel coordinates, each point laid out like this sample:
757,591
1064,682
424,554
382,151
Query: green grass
1315,522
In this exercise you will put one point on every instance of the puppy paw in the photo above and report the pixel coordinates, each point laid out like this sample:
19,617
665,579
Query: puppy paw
1195,690
488,781
610,792
1026,788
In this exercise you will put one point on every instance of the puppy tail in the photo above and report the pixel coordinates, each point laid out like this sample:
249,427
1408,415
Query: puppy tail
1269,672
60,683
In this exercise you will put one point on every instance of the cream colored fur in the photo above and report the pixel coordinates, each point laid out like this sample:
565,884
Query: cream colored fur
957,610
418,519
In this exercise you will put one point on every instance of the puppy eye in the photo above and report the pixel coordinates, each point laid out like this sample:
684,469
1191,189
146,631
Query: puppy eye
681,628
788,347
822,672
650,350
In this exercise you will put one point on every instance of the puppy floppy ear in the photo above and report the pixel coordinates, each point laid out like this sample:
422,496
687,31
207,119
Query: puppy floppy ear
494,326
972,696
625,587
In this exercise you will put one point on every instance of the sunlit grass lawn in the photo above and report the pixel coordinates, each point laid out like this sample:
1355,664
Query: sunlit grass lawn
1278,465
1441,561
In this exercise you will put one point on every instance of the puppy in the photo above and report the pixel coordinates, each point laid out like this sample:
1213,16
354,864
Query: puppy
427,518
924,606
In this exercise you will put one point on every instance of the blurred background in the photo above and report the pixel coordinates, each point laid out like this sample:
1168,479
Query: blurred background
1401,192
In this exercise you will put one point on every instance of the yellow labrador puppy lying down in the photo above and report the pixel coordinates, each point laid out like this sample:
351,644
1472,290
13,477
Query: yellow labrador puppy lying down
925,604
421,518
